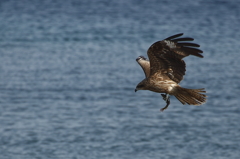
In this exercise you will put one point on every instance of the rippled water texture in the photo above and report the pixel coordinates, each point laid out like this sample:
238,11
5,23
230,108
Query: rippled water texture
68,74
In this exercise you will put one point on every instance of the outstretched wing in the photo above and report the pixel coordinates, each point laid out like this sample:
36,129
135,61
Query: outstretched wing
166,56
145,64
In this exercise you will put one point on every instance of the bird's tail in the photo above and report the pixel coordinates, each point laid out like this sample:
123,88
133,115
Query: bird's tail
190,96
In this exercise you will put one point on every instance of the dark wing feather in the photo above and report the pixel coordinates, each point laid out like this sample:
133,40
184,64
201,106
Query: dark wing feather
183,48
166,56
174,36
189,44
159,62
182,39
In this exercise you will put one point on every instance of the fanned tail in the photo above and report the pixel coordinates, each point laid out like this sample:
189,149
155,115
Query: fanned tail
190,96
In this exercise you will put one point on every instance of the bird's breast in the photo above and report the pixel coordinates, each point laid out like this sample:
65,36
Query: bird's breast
162,86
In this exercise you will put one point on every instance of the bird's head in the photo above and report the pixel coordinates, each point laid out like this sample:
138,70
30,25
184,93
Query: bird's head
141,86
141,58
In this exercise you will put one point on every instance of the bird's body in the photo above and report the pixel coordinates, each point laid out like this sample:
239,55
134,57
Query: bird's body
158,85
166,69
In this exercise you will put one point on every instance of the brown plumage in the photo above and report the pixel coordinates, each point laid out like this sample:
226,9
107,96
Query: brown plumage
166,69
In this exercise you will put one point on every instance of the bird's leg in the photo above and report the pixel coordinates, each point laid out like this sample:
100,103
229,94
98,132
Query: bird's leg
166,97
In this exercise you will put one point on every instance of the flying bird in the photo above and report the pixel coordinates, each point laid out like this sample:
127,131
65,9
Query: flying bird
166,68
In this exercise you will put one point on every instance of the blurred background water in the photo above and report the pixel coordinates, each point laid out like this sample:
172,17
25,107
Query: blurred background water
68,74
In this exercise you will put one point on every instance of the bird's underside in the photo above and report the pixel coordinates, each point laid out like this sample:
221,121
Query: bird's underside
145,64
165,65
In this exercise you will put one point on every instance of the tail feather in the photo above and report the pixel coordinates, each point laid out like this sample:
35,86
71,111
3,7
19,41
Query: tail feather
190,96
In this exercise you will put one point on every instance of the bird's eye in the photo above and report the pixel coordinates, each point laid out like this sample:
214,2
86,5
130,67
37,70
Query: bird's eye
138,58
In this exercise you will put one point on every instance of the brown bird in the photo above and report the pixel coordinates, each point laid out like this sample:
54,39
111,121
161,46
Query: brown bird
166,69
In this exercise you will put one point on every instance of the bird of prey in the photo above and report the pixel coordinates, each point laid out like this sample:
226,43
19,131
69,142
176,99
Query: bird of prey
166,68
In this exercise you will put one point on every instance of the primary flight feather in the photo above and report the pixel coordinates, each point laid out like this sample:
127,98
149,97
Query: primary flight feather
166,68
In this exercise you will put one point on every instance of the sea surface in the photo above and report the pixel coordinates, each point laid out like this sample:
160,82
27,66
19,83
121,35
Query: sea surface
68,74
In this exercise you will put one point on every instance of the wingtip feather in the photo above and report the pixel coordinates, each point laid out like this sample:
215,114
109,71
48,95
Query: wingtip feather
174,36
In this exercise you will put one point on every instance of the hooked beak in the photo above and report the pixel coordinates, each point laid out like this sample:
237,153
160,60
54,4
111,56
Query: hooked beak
135,90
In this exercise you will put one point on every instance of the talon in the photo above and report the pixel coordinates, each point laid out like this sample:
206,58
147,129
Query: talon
164,96
167,99
168,102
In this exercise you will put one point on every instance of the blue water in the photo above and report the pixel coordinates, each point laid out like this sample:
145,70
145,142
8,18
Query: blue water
68,74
